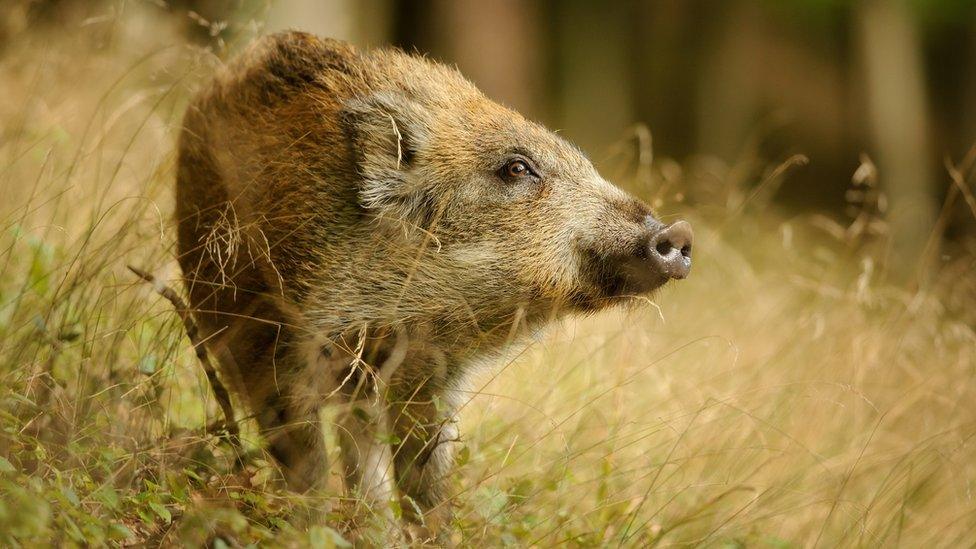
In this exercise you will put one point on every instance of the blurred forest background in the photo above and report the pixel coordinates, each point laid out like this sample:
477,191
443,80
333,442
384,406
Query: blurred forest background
889,85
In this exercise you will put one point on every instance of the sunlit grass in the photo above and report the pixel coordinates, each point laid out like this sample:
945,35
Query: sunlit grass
786,394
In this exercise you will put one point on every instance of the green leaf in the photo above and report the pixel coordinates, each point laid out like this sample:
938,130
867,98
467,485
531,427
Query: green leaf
489,502
396,508
778,543
521,490
192,474
323,537
119,531
162,512
463,456
6,466
71,496
108,497
147,365
387,438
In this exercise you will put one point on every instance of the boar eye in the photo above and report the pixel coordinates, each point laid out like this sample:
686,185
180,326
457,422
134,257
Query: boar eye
516,169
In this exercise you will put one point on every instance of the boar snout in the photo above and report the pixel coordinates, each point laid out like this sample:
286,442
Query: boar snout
669,250
662,253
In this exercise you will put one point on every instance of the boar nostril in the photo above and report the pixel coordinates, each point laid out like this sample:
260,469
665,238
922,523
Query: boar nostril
671,253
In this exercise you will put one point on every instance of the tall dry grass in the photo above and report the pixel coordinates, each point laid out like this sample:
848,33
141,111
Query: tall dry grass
785,395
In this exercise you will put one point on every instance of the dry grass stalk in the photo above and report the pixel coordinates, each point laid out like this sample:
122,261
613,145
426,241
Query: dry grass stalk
229,425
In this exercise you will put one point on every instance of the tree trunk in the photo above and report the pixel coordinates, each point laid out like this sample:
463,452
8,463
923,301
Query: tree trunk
898,127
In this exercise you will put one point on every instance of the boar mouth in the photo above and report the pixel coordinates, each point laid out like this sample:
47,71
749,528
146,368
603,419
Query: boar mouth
614,277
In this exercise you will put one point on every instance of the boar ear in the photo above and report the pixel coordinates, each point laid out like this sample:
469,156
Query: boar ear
389,130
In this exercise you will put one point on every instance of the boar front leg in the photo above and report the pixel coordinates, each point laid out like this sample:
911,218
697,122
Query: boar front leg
415,425
363,434
425,426
256,347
